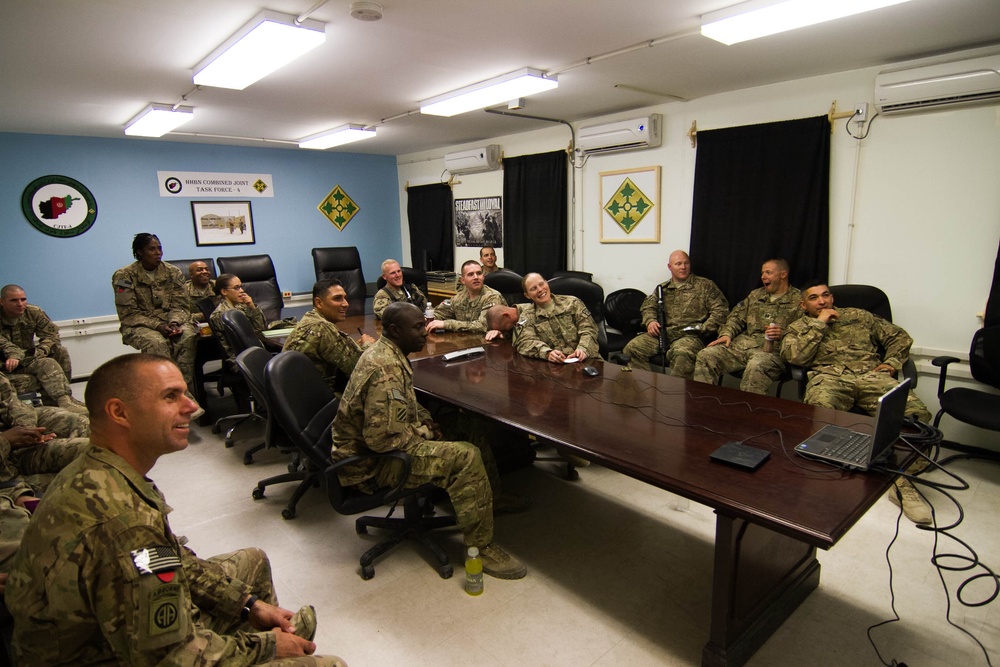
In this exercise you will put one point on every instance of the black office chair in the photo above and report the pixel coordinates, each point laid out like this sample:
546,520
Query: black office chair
586,275
622,313
256,272
973,406
592,296
865,297
343,264
230,378
508,284
305,408
416,277
241,337
183,265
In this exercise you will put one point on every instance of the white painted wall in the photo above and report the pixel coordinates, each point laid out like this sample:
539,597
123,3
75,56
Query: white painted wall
926,214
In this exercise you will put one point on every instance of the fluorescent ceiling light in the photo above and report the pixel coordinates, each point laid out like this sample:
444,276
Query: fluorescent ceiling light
339,136
269,41
498,90
158,119
759,18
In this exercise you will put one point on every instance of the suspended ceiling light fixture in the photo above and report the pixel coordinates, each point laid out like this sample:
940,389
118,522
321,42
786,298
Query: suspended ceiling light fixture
759,18
484,94
158,119
269,41
339,136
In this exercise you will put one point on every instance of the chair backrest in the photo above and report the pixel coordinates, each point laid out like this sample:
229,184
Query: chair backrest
207,307
256,272
239,332
251,363
302,403
410,275
508,283
984,356
344,264
622,310
592,296
183,265
586,275
865,297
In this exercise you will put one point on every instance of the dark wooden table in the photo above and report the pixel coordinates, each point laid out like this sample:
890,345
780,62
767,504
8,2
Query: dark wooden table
661,430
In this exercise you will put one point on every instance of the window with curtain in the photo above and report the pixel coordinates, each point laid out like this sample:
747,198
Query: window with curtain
761,191
429,210
535,212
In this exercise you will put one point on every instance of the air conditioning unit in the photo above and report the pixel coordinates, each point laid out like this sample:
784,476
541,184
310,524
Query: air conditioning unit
486,158
623,135
936,85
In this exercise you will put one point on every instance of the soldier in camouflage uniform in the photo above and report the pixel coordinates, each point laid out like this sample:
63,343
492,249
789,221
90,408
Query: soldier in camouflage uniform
154,307
34,357
200,286
316,335
488,256
229,289
466,311
504,320
395,290
379,413
100,577
558,327
840,350
740,345
693,307
63,423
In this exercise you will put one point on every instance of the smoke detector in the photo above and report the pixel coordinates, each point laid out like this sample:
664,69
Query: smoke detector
366,11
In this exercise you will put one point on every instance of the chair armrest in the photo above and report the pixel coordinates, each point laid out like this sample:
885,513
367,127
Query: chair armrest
401,456
800,377
942,363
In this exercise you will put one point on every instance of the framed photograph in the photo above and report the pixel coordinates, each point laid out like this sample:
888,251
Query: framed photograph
222,222
630,205
479,222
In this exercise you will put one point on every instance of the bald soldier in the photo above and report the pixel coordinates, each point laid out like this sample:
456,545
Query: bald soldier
693,307
100,577
199,286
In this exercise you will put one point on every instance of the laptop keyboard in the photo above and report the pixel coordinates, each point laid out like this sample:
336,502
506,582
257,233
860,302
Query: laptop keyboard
853,448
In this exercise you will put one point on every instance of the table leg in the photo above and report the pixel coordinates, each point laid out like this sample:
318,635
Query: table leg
760,577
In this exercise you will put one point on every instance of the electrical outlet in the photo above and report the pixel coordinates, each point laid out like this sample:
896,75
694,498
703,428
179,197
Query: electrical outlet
286,295
861,112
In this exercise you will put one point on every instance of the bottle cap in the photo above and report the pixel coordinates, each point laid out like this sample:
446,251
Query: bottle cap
473,552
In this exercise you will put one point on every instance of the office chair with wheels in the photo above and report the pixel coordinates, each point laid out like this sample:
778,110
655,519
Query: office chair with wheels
256,272
974,406
344,264
241,337
305,408
508,284
592,296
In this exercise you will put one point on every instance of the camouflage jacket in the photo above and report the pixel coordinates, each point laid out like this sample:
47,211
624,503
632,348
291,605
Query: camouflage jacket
196,295
32,331
460,313
253,313
849,344
566,325
387,295
329,348
144,301
101,579
747,321
695,301
379,411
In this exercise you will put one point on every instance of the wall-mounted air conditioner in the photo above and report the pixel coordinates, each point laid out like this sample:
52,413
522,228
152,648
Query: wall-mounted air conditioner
486,158
936,85
622,135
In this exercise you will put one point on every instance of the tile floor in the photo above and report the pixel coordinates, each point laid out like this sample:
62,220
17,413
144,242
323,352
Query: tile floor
619,574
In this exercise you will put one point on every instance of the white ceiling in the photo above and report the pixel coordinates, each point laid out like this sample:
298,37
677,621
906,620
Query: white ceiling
85,67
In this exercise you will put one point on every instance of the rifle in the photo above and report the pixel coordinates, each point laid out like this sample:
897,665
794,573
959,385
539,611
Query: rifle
661,317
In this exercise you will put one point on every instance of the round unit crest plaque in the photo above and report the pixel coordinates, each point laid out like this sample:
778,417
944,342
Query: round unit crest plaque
59,206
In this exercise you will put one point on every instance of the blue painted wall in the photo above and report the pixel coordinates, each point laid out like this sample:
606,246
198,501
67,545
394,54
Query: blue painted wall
71,277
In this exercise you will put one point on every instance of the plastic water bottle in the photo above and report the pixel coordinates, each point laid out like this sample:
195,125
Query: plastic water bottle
429,312
473,572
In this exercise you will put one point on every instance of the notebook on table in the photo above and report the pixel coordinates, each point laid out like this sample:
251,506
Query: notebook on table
860,450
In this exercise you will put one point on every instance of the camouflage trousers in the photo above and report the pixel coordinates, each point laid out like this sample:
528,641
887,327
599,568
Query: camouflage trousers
680,357
37,466
63,423
842,392
456,467
180,348
252,567
13,522
760,368
459,425
46,374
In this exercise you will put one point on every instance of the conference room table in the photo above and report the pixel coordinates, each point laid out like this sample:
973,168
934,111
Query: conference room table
661,430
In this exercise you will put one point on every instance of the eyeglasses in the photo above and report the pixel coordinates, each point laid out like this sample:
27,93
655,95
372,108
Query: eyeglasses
237,287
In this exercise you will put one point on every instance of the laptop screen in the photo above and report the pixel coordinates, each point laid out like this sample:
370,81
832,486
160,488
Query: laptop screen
889,419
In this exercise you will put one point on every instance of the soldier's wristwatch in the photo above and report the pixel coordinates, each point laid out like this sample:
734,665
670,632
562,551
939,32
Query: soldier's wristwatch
245,612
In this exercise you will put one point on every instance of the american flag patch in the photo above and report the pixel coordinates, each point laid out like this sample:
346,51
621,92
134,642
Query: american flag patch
155,559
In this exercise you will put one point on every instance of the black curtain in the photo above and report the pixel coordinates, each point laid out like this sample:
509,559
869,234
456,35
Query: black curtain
535,215
761,191
992,318
429,210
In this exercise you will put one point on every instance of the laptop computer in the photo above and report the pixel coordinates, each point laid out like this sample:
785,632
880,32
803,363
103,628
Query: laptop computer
859,450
